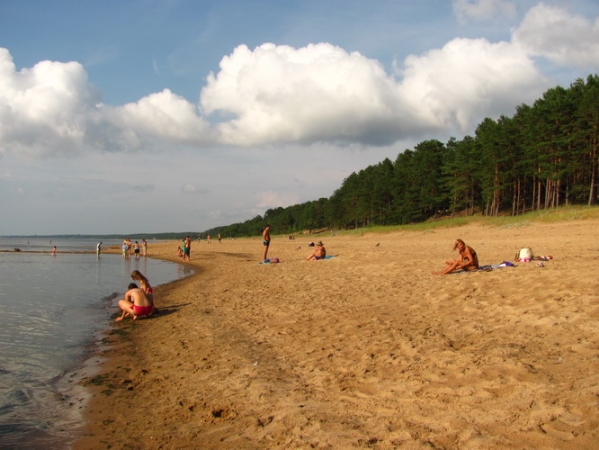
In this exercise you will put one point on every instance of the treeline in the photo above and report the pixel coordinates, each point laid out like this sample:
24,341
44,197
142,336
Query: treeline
545,156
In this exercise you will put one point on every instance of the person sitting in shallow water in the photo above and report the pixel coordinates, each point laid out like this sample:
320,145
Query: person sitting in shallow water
135,303
468,259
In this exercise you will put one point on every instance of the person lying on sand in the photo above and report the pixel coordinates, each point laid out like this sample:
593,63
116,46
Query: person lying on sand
468,259
319,252
135,303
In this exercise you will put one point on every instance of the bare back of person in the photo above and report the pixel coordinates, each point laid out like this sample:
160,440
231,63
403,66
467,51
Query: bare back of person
136,304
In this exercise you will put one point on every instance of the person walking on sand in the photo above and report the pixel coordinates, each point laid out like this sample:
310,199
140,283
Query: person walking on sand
135,303
319,252
468,259
266,240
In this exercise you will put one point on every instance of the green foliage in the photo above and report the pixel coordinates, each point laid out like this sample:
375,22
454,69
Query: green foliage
545,156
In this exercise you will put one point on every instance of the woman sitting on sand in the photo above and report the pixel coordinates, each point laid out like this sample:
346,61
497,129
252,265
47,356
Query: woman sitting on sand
468,259
319,252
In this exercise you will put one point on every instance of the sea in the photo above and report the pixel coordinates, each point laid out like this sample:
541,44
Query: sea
53,312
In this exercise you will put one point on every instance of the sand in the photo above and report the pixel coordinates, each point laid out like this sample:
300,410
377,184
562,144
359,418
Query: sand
365,350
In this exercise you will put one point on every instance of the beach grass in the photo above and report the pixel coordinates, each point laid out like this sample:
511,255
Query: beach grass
551,215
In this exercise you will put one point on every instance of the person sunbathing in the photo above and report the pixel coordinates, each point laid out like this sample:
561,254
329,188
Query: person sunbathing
468,259
319,252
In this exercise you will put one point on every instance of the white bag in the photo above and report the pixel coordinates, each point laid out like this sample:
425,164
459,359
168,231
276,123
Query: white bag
524,255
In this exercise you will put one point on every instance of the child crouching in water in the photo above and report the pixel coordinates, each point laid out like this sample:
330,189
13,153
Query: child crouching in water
135,303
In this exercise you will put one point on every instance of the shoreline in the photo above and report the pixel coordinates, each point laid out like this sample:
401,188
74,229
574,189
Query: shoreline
367,349
84,378
72,384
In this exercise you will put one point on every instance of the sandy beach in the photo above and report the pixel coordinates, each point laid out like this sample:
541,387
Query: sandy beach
367,349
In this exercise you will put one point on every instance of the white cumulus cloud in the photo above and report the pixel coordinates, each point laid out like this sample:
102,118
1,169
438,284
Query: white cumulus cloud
319,93
466,80
52,109
45,109
561,37
283,94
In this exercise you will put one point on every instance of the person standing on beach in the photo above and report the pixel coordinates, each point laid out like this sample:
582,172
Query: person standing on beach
54,251
266,240
144,247
98,249
187,249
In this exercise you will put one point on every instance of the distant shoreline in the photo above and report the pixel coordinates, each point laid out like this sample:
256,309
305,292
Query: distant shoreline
113,249
49,251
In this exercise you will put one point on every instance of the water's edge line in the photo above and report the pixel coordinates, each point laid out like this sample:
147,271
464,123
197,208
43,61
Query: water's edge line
93,360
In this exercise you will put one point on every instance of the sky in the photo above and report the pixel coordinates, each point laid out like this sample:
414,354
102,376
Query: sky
150,116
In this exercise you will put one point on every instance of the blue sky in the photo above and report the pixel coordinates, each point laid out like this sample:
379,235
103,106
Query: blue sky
180,115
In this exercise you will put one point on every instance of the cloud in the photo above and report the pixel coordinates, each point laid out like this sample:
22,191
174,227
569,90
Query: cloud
277,95
561,37
190,188
43,110
271,199
483,9
164,116
52,110
456,86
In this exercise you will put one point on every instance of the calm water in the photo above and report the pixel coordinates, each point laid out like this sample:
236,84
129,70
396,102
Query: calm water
52,308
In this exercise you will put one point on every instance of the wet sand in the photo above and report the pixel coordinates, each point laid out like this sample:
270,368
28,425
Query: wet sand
364,350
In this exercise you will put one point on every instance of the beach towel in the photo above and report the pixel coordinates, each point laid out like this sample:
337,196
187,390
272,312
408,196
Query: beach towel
270,261
488,267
